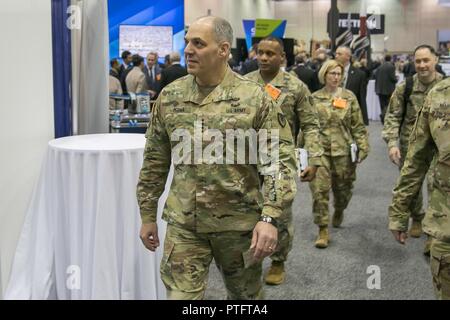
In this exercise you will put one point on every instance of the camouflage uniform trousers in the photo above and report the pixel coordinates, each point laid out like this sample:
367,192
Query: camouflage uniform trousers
440,268
337,174
285,236
187,256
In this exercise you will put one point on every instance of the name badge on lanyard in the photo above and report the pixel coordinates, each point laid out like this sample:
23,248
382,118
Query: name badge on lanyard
273,92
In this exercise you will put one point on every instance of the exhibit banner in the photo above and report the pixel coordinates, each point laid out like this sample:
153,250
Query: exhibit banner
270,27
375,23
249,30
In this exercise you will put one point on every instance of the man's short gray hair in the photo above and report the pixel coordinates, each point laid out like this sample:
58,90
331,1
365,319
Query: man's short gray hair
222,29
175,57
346,48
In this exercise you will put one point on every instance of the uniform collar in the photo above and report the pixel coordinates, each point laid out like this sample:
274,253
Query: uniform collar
323,93
278,81
220,93
419,86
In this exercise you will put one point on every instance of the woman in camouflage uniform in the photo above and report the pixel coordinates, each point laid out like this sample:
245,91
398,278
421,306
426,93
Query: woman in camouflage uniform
341,125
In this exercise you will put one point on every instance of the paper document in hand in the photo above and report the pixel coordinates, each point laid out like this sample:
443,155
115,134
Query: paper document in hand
249,258
354,152
302,159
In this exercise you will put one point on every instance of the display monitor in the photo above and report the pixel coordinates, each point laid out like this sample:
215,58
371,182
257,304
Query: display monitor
144,39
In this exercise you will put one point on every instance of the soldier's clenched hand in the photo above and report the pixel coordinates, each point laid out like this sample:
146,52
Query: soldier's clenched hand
264,240
395,155
308,174
149,235
400,236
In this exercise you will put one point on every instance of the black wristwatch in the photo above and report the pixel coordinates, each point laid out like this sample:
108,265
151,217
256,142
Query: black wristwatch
268,219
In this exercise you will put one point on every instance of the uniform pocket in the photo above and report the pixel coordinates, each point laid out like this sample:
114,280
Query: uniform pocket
188,270
442,180
444,275
435,265
179,125
436,204
168,248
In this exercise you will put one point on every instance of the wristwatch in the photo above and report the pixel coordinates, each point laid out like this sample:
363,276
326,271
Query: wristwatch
268,219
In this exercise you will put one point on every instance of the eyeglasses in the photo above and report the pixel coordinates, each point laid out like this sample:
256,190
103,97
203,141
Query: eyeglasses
335,74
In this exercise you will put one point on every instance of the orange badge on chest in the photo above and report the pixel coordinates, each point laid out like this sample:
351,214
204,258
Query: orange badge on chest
272,91
340,103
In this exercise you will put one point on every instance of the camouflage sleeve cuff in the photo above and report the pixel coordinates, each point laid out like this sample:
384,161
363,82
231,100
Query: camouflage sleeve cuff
147,217
363,155
398,225
392,143
271,212
315,161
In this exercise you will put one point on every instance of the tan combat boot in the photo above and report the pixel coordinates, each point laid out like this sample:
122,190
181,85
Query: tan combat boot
416,229
276,273
322,240
338,216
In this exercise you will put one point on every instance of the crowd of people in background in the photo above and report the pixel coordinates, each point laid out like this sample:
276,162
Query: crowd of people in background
150,76
133,75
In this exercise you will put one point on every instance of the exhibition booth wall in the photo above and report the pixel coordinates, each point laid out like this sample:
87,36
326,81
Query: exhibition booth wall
407,23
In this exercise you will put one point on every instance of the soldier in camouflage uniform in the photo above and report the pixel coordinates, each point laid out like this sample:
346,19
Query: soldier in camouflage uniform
431,135
294,98
214,209
341,124
400,121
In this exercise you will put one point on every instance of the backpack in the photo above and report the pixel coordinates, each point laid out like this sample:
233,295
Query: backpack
406,95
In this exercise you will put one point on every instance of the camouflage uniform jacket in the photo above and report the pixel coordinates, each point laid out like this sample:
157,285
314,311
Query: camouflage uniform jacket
431,133
391,130
215,197
296,103
340,127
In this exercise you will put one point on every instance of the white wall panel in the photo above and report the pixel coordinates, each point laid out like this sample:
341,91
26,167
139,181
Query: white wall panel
26,104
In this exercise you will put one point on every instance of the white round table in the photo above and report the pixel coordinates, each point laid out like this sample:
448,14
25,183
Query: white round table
373,102
80,239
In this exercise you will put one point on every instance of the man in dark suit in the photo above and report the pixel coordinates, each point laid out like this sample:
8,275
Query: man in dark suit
125,67
172,72
127,59
152,73
385,81
305,74
354,80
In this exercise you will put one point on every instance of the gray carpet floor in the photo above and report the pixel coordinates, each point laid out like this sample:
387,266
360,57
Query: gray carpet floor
341,270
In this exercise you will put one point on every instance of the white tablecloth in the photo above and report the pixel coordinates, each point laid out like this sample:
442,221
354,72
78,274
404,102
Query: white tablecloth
80,239
373,103
372,100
